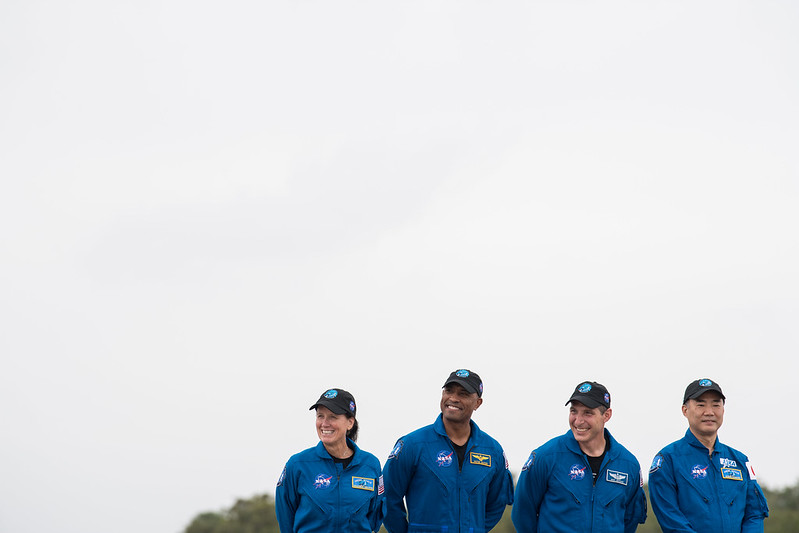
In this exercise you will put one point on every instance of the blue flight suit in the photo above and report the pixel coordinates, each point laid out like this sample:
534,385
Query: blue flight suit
555,492
316,494
694,491
442,498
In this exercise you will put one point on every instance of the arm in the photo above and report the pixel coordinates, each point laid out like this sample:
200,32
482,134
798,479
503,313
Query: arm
635,510
397,475
663,495
500,492
286,500
756,508
530,490
376,509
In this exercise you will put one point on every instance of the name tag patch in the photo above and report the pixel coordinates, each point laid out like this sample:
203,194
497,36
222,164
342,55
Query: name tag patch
732,473
479,459
617,477
363,483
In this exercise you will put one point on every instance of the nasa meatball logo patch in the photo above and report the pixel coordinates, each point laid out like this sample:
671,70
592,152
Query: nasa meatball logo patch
322,481
699,471
577,472
444,458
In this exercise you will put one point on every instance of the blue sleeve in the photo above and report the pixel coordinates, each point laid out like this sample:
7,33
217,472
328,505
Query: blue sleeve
376,504
635,510
756,509
396,476
500,493
663,495
530,490
286,500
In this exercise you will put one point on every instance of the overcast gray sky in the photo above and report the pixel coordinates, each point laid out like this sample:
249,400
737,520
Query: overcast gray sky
212,212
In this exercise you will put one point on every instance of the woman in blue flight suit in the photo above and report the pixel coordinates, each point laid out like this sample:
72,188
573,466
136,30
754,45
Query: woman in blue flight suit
334,486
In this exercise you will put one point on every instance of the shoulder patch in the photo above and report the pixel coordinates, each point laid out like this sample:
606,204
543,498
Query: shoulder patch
396,450
530,462
657,462
282,477
751,471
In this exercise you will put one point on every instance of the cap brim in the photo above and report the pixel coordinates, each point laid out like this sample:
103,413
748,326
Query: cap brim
586,401
700,392
463,383
337,409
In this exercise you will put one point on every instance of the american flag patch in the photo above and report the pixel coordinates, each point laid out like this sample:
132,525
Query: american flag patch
380,488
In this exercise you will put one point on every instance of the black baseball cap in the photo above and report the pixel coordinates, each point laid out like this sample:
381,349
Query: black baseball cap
339,401
468,380
591,394
697,388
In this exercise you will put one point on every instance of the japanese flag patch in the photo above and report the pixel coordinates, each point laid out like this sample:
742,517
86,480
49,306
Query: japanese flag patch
751,471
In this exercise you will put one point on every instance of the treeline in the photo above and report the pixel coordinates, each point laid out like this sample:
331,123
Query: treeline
257,515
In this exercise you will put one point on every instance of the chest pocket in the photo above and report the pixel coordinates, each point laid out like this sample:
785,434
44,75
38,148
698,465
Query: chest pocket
734,496
700,483
610,497
478,468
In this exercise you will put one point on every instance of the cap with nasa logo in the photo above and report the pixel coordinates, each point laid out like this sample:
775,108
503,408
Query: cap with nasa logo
466,379
697,388
338,401
591,394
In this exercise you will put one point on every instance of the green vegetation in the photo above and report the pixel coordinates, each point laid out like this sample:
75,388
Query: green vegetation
257,515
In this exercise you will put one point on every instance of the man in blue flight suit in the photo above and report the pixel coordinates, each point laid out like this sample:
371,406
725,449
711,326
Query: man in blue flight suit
698,484
453,476
583,480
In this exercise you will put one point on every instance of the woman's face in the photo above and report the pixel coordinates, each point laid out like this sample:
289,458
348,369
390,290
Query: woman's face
332,428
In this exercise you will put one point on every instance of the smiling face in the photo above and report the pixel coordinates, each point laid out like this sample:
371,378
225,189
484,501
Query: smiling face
332,428
588,426
458,404
705,415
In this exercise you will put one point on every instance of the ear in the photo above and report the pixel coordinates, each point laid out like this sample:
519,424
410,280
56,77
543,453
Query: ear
684,410
350,422
608,414
479,403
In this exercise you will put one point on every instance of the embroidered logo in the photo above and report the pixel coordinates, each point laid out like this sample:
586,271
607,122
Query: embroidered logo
617,477
396,451
363,483
699,471
332,393
732,473
577,472
282,477
380,487
657,462
585,387
444,458
322,481
479,459
530,462
728,463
